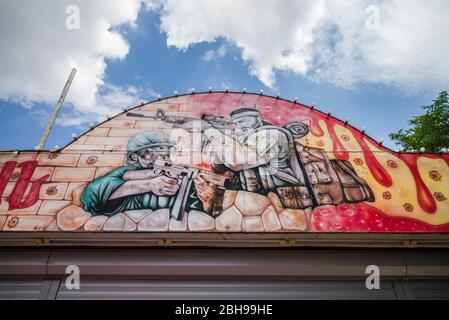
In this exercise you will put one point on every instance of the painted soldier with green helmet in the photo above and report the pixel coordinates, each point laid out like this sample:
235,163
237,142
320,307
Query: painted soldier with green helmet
134,186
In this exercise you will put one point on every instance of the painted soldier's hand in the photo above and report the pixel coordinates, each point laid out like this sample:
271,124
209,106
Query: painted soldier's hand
206,192
163,186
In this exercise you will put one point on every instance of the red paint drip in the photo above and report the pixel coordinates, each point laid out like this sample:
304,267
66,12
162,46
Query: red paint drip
425,198
377,170
315,127
338,149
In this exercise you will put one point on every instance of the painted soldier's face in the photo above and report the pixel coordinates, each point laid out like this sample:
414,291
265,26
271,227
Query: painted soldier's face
147,156
244,125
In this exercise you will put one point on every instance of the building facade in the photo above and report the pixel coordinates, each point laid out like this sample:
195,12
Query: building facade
223,181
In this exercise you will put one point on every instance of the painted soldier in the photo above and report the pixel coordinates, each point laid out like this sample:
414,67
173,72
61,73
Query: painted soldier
135,187
260,153
266,158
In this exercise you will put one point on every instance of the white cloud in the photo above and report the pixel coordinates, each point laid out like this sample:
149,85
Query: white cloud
119,97
326,40
408,50
271,34
38,52
116,98
211,55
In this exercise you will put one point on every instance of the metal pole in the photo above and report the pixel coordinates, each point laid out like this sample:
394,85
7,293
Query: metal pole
58,106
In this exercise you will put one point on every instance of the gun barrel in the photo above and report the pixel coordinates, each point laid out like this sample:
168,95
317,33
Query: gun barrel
172,168
137,115
214,178
215,120
180,170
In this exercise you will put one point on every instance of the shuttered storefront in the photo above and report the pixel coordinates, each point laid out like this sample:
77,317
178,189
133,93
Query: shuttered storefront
224,273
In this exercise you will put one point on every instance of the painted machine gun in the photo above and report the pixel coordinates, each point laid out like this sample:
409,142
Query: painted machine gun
185,176
207,121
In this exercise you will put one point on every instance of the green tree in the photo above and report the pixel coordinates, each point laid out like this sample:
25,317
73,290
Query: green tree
430,130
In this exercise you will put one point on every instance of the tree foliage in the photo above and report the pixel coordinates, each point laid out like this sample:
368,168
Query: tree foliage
430,130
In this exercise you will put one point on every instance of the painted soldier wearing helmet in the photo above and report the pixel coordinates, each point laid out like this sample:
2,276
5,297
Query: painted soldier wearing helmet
268,159
134,187
262,154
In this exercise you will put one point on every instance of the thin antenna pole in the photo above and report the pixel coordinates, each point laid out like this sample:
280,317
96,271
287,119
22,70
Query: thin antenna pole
58,106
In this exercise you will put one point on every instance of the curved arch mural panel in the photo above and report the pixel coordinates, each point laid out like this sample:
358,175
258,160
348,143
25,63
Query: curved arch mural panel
224,162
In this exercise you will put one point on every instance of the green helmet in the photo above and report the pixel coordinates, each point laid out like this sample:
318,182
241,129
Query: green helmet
147,139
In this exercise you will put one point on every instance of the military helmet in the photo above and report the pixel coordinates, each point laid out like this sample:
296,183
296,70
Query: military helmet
147,139
244,112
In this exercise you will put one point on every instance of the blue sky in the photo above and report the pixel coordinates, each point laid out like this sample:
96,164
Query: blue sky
381,106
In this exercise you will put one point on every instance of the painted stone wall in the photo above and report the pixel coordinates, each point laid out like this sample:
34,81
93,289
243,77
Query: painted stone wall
224,162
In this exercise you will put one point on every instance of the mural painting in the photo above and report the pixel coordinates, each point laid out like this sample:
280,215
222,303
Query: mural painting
224,162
